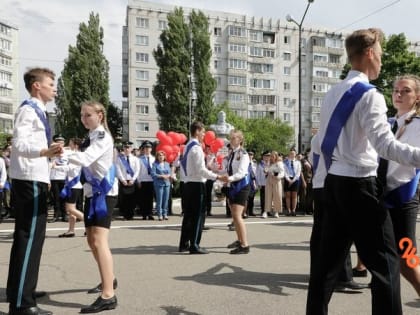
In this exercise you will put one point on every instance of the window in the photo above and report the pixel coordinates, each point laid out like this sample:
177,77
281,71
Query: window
163,25
142,92
286,117
268,53
218,81
5,30
142,126
142,57
334,59
142,40
237,31
142,109
287,56
322,73
5,92
335,42
262,99
320,87
262,84
286,40
5,44
142,75
217,31
5,76
5,61
237,48
317,101
286,70
286,101
6,108
235,98
237,64
217,64
255,51
336,74
320,58
234,80
261,67
268,37
255,36
142,22
217,49
286,86
315,117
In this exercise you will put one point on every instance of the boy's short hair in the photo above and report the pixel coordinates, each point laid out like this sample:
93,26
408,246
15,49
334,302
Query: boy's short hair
36,75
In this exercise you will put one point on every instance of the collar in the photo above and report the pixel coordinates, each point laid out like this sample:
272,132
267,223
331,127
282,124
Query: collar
40,104
355,73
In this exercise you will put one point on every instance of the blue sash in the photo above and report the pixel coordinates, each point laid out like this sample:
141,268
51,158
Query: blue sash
289,167
252,177
339,118
236,187
315,162
99,190
184,158
66,191
400,195
127,165
146,164
41,115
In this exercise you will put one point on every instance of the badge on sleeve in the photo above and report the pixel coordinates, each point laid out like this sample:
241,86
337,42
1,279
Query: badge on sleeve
101,135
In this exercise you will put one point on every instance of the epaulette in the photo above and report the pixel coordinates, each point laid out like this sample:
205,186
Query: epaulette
101,134
243,151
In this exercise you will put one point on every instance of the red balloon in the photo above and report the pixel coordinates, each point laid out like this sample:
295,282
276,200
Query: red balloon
209,137
216,145
171,157
181,148
160,135
183,138
166,140
173,136
175,149
167,149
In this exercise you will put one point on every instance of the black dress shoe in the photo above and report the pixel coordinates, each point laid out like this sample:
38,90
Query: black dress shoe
240,250
34,310
184,247
198,251
98,288
350,285
235,244
100,305
360,273
150,217
39,294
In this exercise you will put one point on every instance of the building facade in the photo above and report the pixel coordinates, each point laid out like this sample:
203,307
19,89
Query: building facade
9,69
254,61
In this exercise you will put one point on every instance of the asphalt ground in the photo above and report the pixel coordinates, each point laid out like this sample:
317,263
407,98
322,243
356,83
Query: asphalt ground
154,278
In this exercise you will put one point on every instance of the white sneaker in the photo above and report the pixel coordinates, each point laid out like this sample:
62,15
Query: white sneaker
264,215
276,215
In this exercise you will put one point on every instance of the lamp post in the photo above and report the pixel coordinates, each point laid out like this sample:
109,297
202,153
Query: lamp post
289,18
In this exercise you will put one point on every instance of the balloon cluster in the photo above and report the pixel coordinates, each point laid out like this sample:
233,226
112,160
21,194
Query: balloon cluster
172,143
215,145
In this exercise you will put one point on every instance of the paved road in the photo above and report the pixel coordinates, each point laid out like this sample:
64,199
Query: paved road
155,279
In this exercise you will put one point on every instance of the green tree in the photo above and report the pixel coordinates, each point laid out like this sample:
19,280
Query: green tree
115,119
172,89
205,85
85,76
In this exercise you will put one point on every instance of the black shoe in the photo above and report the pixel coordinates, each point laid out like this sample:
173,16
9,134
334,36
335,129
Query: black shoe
98,288
100,305
206,228
39,294
235,244
209,214
240,250
198,251
150,217
184,248
252,214
360,273
34,310
144,217
351,285
67,234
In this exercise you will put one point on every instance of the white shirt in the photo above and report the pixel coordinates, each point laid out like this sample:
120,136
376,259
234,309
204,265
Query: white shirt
28,140
58,172
196,166
240,164
297,168
144,175
3,172
261,173
399,174
98,158
365,134
122,173
320,172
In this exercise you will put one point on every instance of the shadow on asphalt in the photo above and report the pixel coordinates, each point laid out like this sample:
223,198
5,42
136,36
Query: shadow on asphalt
227,275
176,310
284,246
415,303
146,250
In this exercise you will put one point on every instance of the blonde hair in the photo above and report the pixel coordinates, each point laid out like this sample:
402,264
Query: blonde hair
239,134
416,79
99,108
360,40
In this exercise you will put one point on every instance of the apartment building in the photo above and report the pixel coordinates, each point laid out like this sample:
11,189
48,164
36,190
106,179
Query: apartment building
9,68
254,61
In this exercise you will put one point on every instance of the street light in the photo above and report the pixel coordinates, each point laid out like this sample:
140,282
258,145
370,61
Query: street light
290,18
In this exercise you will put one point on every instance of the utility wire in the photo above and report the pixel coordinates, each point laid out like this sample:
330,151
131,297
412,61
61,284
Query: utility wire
369,15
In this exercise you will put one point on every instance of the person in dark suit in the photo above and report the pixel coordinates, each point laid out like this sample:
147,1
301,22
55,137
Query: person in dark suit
145,181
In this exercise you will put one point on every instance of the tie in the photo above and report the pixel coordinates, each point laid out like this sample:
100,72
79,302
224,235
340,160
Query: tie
148,165
383,164
230,170
293,169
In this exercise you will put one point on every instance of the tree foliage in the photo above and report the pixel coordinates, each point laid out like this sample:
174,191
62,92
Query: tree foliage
396,60
85,76
172,89
205,85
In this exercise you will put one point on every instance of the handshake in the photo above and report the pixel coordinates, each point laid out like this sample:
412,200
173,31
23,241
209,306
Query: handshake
223,178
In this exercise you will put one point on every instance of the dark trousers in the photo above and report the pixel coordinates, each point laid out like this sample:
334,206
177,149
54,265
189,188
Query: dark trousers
30,205
59,207
209,189
145,198
194,195
354,211
346,272
126,200
250,203
262,198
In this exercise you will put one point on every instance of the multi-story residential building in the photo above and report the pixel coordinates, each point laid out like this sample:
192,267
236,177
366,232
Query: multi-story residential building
9,82
254,62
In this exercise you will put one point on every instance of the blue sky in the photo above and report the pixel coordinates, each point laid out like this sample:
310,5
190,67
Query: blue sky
48,27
